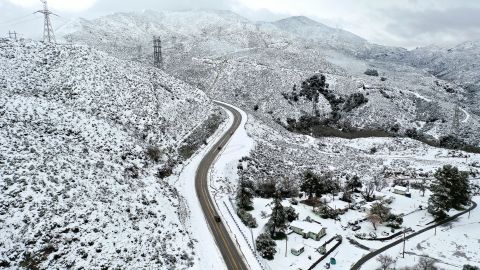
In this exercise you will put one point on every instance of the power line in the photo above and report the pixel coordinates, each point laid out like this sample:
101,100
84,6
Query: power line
15,19
19,21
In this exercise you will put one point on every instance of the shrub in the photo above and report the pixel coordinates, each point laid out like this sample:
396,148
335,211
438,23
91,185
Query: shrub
290,213
354,101
165,171
451,142
371,72
154,153
266,246
247,218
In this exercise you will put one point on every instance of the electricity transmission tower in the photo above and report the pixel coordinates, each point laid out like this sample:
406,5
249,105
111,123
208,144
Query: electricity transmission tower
48,35
12,35
157,52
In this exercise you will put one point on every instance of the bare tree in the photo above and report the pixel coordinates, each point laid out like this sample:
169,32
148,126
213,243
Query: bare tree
368,190
426,263
385,262
374,219
423,186
380,182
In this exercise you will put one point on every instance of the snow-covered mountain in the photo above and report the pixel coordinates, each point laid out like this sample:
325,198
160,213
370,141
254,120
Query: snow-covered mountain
459,64
256,63
82,136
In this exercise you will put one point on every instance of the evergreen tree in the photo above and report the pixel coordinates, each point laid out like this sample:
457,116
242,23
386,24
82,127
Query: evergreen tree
450,190
277,224
266,246
290,213
310,183
245,193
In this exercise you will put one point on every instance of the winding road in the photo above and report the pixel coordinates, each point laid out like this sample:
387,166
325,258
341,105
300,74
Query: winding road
371,255
231,255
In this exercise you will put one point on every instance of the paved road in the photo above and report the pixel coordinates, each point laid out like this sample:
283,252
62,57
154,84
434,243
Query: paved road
371,255
231,255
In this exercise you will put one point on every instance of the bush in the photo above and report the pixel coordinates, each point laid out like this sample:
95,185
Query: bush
247,218
266,246
154,153
165,171
290,214
451,142
255,108
199,136
354,101
371,72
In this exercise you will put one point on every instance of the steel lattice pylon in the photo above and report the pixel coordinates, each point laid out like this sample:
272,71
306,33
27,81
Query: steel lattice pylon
48,35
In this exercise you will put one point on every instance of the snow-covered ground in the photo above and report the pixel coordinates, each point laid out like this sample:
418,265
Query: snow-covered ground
453,244
79,185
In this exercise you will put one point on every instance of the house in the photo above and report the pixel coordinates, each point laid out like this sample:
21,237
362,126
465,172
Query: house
401,190
306,229
297,250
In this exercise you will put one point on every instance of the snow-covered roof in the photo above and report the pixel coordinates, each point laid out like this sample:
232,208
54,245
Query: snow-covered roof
307,226
400,188
298,247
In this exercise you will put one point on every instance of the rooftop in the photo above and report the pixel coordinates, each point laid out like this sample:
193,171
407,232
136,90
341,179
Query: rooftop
307,226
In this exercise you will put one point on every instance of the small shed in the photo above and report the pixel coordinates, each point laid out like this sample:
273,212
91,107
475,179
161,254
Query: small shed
297,250
311,230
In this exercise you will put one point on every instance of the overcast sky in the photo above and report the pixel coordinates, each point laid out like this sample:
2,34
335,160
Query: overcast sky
406,23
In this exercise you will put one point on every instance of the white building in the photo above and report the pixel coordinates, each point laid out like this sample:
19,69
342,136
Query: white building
306,229
401,190
297,250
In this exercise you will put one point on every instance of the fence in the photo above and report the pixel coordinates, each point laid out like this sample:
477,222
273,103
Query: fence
250,245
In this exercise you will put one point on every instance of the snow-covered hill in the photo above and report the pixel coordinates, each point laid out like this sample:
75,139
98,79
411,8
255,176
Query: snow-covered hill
82,136
459,64
255,63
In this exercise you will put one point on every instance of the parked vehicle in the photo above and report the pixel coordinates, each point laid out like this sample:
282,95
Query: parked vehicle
372,235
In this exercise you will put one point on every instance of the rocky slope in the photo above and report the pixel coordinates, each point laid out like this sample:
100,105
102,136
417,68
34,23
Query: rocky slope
82,135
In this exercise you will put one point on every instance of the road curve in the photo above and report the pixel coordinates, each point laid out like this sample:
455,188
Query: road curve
231,255
371,255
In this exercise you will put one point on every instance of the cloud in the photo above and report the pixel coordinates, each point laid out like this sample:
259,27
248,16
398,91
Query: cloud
435,26
407,23
60,5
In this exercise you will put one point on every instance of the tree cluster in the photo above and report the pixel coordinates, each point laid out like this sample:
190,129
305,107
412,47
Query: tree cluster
318,184
450,190
266,246
354,101
247,218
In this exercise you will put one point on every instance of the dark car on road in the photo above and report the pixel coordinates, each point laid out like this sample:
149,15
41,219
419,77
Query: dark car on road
217,218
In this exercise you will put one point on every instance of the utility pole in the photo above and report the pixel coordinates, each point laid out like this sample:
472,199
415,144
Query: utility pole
12,35
253,242
48,35
403,254
157,52
286,245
